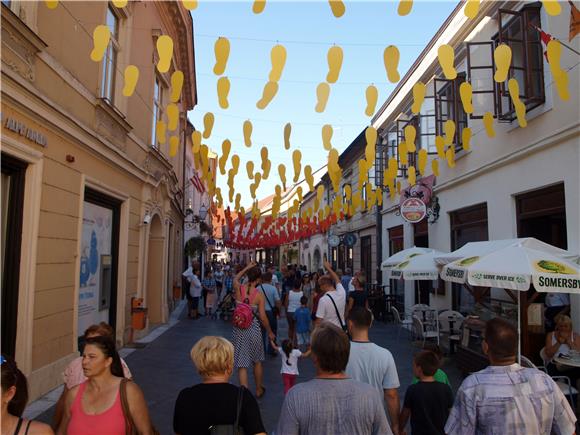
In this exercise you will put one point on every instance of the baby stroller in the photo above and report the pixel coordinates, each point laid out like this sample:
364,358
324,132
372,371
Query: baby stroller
226,307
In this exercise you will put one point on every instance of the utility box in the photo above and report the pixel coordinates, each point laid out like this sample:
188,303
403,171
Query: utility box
138,314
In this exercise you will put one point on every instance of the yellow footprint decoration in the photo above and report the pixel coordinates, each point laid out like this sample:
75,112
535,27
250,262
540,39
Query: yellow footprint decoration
435,167
502,56
370,149
419,90
371,196
282,174
471,9
334,58
196,141
268,94
296,158
403,153
412,176
172,116
391,57
446,57
258,6
372,96
379,195
514,89
101,38
422,161
173,146
363,174
337,7
466,94
51,4
120,3
560,75
190,5
552,7
449,129
278,59
466,138
254,186
165,52
221,50
309,177
440,146
392,169
250,169
405,7
247,129
235,163
131,78
208,120
488,124
238,199
266,164
287,132
299,193
410,136
226,148
223,89
322,94
161,130
450,155
327,136
176,86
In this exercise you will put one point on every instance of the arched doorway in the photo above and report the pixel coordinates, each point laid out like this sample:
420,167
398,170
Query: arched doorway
155,271
317,263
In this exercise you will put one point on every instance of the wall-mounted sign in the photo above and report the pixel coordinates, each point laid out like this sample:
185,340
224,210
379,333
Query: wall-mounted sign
349,240
333,241
21,128
413,210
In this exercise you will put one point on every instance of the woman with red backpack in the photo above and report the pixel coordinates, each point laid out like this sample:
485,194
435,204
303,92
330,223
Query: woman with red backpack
247,335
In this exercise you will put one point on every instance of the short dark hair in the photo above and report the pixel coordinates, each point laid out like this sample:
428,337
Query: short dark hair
331,347
254,274
266,277
297,284
303,300
427,361
360,317
501,337
325,279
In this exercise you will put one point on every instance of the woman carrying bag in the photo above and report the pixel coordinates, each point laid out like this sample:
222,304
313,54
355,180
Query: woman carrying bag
216,407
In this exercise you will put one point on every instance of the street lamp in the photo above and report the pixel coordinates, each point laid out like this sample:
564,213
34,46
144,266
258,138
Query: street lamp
194,220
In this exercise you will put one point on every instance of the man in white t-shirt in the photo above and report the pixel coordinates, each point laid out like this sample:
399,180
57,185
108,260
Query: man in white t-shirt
331,306
373,364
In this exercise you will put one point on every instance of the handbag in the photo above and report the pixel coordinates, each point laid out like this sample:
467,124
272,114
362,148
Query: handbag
227,429
275,310
130,428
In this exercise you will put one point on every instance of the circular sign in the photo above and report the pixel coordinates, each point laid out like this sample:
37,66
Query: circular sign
333,241
349,240
413,210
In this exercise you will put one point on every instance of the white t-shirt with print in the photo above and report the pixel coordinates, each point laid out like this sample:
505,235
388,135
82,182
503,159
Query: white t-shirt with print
292,368
326,309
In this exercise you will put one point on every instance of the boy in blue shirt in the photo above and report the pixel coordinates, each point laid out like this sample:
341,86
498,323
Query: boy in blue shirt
302,316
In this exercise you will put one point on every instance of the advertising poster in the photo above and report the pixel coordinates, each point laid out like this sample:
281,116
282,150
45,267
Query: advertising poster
95,254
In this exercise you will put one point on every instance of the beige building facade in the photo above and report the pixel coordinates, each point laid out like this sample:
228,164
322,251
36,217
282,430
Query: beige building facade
92,202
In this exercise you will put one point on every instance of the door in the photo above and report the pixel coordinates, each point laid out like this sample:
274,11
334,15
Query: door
365,257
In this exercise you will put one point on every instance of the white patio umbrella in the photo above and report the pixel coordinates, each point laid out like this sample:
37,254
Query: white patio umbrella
402,256
419,267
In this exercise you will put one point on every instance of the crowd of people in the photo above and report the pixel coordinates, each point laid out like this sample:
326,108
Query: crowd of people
355,390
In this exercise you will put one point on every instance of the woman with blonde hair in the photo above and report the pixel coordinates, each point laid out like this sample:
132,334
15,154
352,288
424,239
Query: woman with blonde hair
216,405
561,342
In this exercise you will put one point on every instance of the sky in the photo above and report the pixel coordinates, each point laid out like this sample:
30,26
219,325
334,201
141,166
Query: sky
307,29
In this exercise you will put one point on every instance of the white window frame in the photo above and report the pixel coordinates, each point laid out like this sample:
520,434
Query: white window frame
109,63
157,109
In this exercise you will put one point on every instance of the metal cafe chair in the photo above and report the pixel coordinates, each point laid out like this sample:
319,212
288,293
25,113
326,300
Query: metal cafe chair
403,323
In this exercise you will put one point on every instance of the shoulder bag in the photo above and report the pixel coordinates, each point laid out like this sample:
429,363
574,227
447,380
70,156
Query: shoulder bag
130,428
342,325
275,310
231,429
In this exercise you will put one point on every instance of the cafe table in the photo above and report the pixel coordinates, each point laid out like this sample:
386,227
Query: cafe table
573,360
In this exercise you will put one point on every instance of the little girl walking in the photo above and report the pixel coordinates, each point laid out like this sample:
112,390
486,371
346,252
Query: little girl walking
290,357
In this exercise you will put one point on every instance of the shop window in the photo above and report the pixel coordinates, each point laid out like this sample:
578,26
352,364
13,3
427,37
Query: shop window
448,106
518,30
109,66
157,109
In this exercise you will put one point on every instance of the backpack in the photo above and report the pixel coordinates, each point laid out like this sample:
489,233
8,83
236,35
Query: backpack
243,313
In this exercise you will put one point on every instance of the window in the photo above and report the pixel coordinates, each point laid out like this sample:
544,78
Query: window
448,106
157,109
364,197
518,30
110,58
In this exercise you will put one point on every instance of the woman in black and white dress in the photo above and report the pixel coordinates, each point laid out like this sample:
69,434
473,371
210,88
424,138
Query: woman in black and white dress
248,343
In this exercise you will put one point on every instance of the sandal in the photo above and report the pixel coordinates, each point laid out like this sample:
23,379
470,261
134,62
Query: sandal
259,395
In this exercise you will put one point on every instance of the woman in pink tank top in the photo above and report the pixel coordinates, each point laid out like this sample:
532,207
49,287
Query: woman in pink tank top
94,407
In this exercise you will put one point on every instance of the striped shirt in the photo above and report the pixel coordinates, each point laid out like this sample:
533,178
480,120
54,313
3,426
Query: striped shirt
510,400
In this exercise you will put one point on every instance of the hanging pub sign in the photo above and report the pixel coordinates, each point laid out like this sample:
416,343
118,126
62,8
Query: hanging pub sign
349,240
413,210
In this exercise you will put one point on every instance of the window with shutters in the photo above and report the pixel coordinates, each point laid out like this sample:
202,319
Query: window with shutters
448,106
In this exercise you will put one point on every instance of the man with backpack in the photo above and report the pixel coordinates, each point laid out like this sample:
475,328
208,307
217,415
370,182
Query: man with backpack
272,307
331,306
